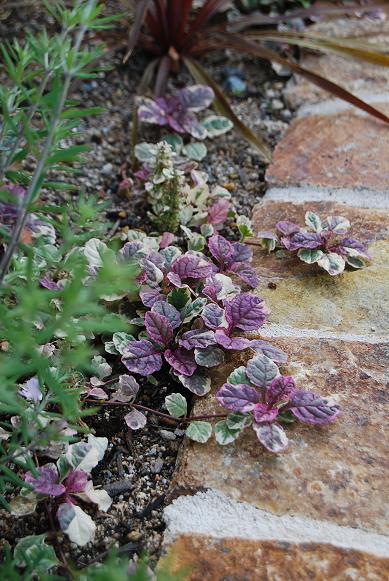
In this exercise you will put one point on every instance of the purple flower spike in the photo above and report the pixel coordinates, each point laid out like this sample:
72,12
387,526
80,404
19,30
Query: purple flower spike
47,481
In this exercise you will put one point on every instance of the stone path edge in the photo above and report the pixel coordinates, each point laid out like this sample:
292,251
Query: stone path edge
214,514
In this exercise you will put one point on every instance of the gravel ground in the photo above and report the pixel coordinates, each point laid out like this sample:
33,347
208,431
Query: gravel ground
139,465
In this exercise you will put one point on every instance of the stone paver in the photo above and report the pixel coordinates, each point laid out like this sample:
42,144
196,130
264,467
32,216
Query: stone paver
209,559
347,150
318,511
361,78
336,473
356,302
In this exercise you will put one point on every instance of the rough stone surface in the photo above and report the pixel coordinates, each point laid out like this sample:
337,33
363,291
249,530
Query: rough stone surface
340,151
208,559
336,473
354,75
305,296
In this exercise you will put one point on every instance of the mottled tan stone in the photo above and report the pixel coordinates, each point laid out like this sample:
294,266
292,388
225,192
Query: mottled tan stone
335,473
354,75
203,558
307,297
346,150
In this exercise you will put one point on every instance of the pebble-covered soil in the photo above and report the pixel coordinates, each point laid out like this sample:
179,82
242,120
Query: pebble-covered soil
138,466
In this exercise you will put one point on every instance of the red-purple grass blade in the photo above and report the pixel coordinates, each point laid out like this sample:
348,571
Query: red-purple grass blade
249,47
258,19
359,51
162,75
223,107
206,12
140,13
185,10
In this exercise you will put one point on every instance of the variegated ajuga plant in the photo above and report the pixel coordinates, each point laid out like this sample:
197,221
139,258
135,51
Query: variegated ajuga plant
192,312
324,243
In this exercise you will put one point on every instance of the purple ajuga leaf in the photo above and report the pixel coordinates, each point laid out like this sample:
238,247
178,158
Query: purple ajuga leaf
280,390
213,316
302,240
127,389
287,228
47,481
336,224
152,112
242,253
49,284
191,266
231,343
246,312
130,250
221,249
311,408
181,361
168,311
31,390
97,392
142,357
151,275
347,243
269,351
151,296
166,240
261,371
197,339
76,482
196,97
197,383
245,273
218,212
135,420
158,328
264,413
238,398
271,436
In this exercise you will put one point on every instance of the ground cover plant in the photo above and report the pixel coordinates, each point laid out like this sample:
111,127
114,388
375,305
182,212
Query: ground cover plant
176,34
90,320
324,242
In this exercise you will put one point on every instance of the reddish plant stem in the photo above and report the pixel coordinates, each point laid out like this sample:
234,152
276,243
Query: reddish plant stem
157,413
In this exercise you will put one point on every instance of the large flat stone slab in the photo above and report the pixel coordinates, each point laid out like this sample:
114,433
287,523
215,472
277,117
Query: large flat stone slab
346,150
209,559
356,302
336,473
362,78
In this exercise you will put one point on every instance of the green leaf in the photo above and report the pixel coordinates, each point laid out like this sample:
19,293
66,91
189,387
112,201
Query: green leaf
145,152
68,155
209,357
179,298
176,405
33,551
175,141
121,340
355,262
224,434
199,431
196,151
74,113
238,376
216,125
196,242
313,221
332,263
310,256
236,421
192,310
